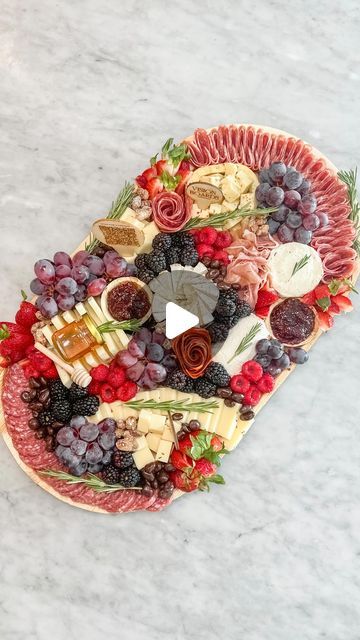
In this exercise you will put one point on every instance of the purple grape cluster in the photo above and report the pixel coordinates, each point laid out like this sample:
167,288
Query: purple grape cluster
295,219
84,446
147,360
275,358
62,282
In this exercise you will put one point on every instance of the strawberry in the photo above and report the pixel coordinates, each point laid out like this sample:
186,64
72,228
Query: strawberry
154,186
100,373
180,460
252,370
185,165
262,312
127,391
141,182
14,346
160,166
333,308
325,320
322,291
184,174
216,443
205,467
266,297
309,298
107,393
117,377
252,396
185,482
343,302
8,329
26,316
185,443
150,173
239,384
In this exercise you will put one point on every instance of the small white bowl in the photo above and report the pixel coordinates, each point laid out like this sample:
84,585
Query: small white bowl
113,285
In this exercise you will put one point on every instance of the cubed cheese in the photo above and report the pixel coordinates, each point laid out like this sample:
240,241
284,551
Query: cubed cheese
148,421
244,182
141,443
215,208
248,199
153,441
167,434
164,450
230,188
229,206
230,169
143,457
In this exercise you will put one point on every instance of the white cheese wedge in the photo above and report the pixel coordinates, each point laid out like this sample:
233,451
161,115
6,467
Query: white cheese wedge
214,179
143,457
282,262
153,441
164,450
206,171
231,188
236,335
227,423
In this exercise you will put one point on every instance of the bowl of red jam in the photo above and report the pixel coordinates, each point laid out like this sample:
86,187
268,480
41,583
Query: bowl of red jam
126,298
292,322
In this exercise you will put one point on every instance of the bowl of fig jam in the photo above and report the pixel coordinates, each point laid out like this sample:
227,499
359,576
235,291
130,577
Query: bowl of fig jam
126,299
292,322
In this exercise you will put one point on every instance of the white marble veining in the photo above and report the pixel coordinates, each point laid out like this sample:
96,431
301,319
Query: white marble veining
88,91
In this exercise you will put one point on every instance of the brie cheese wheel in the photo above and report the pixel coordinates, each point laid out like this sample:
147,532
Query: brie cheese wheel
287,258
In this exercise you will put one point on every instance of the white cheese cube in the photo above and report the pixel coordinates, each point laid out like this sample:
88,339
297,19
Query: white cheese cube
148,421
230,188
141,443
230,169
164,450
215,208
248,199
143,457
243,180
153,441
167,434
226,207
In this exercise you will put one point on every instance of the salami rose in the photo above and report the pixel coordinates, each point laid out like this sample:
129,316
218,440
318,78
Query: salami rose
169,211
193,350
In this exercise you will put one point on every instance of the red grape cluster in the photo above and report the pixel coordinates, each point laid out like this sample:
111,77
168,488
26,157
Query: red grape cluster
62,282
295,219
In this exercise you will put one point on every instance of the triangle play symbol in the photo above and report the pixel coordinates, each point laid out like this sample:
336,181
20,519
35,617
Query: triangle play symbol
178,320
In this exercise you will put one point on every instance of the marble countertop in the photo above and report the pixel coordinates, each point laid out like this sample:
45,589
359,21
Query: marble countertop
89,91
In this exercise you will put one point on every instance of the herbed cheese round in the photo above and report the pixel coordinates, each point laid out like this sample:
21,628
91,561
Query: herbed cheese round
295,269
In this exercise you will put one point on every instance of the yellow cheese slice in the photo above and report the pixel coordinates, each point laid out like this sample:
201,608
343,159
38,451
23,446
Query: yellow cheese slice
164,450
153,441
143,457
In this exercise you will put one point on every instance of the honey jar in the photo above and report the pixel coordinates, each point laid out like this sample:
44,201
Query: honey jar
76,339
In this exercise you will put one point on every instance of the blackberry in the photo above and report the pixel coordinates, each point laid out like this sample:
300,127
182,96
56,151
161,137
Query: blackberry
58,391
204,388
183,240
146,275
61,410
189,385
76,392
173,256
176,380
243,308
230,294
225,307
129,477
122,459
162,242
45,419
141,261
218,332
189,257
234,320
156,261
86,406
110,474
217,374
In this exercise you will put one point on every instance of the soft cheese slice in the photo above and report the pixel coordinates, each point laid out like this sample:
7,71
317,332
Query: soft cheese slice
282,263
236,335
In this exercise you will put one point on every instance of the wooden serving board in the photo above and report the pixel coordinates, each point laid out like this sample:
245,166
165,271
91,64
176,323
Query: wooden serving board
243,426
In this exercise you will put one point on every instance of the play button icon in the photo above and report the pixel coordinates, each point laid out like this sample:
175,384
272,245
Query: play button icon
178,320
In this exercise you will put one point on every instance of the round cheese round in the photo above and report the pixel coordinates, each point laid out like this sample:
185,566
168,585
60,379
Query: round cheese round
295,269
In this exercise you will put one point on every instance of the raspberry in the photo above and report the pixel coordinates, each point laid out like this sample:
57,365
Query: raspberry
239,384
204,250
100,373
216,443
116,377
94,387
222,256
51,373
252,396
223,240
252,370
31,372
107,393
39,360
208,235
266,383
126,391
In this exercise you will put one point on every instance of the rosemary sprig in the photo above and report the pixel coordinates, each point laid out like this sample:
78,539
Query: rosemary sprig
174,405
91,481
117,209
112,325
218,220
247,340
300,264
349,178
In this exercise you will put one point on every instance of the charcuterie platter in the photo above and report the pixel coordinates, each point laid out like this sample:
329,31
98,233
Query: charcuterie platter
252,232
